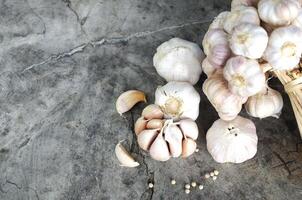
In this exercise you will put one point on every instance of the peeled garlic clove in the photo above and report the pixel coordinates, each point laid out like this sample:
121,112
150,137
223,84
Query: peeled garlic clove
245,77
178,100
146,137
159,149
278,13
219,20
284,48
124,157
128,99
152,111
173,136
155,124
140,125
249,40
188,147
239,15
189,128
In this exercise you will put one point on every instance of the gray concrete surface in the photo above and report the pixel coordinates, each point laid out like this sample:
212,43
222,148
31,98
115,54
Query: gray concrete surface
62,66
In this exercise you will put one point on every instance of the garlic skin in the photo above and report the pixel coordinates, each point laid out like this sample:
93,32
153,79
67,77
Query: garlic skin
218,21
284,48
236,3
216,46
248,40
178,60
124,157
233,141
178,100
298,20
240,15
278,13
227,104
245,77
173,136
266,103
128,99
208,68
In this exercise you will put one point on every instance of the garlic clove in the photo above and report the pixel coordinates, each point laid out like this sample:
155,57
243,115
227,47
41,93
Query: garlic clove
155,123
219,20
146,137
188,147
173,136
124,157
189,128
152,111
159,149
140,125
128,99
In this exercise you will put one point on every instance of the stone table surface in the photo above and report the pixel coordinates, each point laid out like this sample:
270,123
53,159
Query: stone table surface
62,66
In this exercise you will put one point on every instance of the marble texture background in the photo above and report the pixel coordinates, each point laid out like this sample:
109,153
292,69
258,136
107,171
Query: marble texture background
62,66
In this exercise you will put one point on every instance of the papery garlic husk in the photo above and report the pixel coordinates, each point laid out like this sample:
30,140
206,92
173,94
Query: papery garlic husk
227,104
240,15
159,149
146,138
218,22
189,128
155,124
236,3
278,13
188,147
178,60
173,136
208,68
245,77
128,99
216,46
178,100
232,141
152,111
140,125
124,157
284,48
266,103
298,20
248,40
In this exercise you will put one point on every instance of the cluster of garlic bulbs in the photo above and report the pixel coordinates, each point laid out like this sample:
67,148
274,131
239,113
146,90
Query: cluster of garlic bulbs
165,138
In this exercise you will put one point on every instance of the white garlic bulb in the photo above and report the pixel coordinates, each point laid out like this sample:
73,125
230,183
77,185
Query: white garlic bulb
218,22
216,46
240,15
284,48
178,100
248,40
236,3
208,68
178,60
298,20
227,104
266,103
278,13
232,141
244,76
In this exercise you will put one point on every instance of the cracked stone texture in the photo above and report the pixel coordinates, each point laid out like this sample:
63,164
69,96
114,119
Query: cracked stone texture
64,63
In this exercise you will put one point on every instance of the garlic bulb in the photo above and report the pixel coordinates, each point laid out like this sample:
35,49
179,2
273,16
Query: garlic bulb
232,141
298,20
227,104
248,40
219,20
208,68
240,15
178,60
244,76
266,103
178,100
278,13
216,46
236,3
284,48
